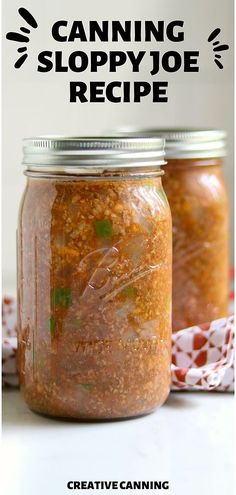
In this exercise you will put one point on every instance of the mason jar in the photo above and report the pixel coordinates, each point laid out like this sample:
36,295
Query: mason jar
196,191
94,277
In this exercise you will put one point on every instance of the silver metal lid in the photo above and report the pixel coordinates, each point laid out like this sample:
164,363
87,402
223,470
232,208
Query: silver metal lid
186,143
92,153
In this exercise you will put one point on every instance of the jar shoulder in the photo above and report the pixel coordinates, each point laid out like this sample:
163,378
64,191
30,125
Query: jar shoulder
112,197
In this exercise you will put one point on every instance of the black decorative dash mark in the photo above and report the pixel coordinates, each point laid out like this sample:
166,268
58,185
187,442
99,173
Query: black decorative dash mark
20,61
214,34
27,16
17,37
25,30
218,63
221,48
217,47
21,38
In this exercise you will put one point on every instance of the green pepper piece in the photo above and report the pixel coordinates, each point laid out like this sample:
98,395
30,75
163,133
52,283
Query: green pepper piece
61,297
103,228
87,386
52,325
129,292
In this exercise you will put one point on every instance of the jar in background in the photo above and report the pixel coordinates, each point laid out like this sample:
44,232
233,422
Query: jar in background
198,199
196,191
94,278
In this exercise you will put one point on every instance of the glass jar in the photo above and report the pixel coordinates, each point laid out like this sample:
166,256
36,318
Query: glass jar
94,278
198,199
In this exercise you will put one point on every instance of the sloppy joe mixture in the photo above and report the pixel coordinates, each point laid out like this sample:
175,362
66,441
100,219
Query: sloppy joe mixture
199,207
94,286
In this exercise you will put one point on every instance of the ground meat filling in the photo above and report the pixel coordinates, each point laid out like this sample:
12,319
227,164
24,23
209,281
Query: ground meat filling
94,296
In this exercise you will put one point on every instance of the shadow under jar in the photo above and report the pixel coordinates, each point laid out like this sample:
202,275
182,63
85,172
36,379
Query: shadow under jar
94,278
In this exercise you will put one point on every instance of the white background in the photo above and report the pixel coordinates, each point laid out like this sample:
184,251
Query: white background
36,103
188,441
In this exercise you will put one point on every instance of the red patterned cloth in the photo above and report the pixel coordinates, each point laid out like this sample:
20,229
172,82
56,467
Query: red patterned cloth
202,356
9,343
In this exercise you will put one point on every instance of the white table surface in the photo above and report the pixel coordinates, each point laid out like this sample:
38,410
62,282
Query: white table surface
189,441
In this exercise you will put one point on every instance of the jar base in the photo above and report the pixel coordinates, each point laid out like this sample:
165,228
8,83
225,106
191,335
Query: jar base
97,419
81,419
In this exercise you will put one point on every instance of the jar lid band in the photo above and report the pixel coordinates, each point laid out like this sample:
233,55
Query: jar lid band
186,143
93,152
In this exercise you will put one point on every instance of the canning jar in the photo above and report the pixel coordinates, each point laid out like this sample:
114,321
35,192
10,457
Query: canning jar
94,277
198,199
